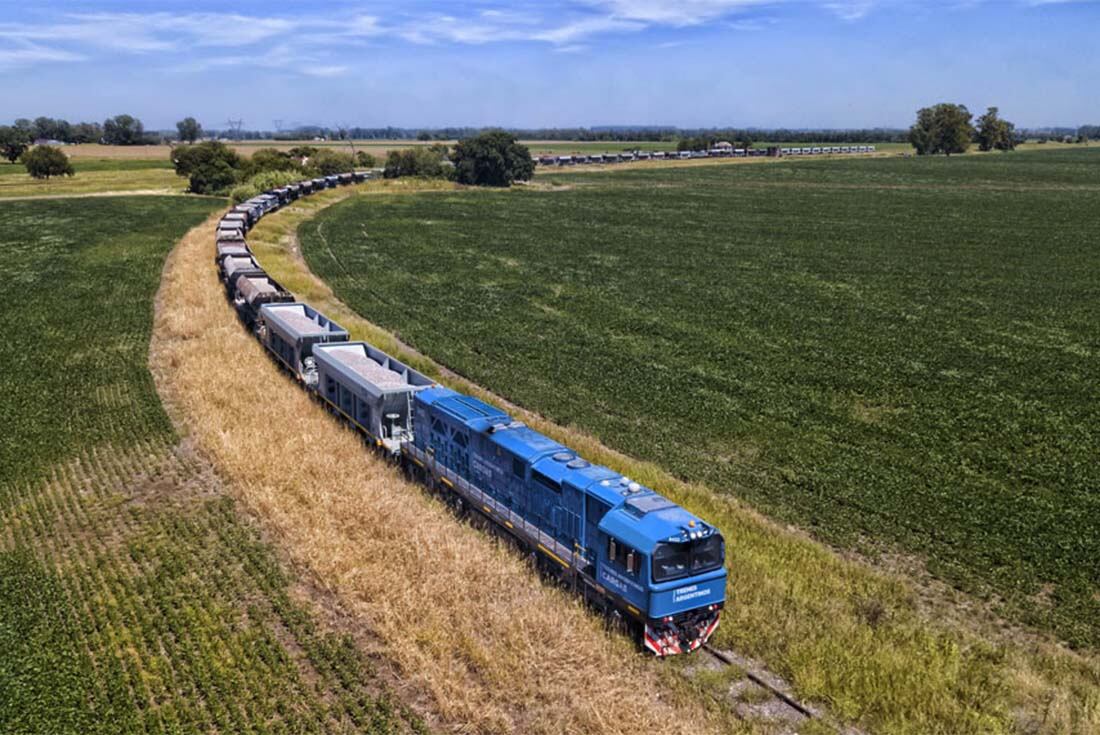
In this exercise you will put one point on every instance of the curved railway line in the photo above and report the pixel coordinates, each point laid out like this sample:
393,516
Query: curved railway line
758,695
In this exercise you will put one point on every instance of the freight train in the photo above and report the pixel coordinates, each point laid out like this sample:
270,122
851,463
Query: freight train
650,565
719,151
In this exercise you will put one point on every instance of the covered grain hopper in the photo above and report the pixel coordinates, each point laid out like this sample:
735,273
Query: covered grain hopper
239,218
290,332
236,266
370,388
252,211
250,292
227,247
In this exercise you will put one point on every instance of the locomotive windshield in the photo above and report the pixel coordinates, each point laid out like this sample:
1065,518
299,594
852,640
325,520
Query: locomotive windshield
675,560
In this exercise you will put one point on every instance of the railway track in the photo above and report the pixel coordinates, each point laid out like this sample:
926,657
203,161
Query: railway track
773,688
785,714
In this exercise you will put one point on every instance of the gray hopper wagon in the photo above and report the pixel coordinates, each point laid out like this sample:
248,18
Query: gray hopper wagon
295,191
291,331
239,218
371,389
230,231
226,248
306,186
252,211
332,181
250,292
346,179
235,267
319,184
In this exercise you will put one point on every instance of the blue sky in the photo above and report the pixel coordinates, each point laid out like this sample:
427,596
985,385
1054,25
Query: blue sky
766,63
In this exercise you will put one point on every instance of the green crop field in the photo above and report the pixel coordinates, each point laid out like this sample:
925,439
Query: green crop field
81,165
133,597
899,355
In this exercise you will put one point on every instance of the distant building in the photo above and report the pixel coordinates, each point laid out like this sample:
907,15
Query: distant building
724,145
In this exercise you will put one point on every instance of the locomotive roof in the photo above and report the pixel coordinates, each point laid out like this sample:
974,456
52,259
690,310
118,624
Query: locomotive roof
475,414
525,443
644,529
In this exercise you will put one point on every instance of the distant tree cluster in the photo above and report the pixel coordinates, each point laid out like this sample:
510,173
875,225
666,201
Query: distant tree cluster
944,128
189,130
13,142
707,141
212,167
491,158
118,130
947,128
427,161
994,133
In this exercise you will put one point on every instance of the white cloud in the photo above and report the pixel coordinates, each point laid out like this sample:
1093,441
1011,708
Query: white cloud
572,31
308,43
25,53
675,12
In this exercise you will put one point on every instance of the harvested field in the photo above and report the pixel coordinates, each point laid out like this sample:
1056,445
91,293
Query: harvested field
465,621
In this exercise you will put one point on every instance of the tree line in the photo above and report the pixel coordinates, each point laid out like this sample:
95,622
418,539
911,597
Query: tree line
117,130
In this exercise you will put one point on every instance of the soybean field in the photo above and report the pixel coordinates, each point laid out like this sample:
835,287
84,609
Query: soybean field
134,598
898,355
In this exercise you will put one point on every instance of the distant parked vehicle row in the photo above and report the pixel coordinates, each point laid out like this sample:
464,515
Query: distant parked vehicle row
578,159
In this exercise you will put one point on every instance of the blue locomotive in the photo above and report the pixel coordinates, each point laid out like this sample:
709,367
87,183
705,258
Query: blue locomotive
629,551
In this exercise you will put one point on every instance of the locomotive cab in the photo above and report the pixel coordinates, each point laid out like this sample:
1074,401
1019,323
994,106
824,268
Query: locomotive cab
666,564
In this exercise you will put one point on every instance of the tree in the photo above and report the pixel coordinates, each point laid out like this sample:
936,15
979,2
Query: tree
327,162
271,159
44,161
995,133
366,160
944,128
302,152
87,133
13,142
493,158
427,161
46,128
211,167
189,129
123,130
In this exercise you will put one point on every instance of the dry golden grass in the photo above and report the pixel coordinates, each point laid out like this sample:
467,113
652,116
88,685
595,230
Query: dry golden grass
878,649
464,620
